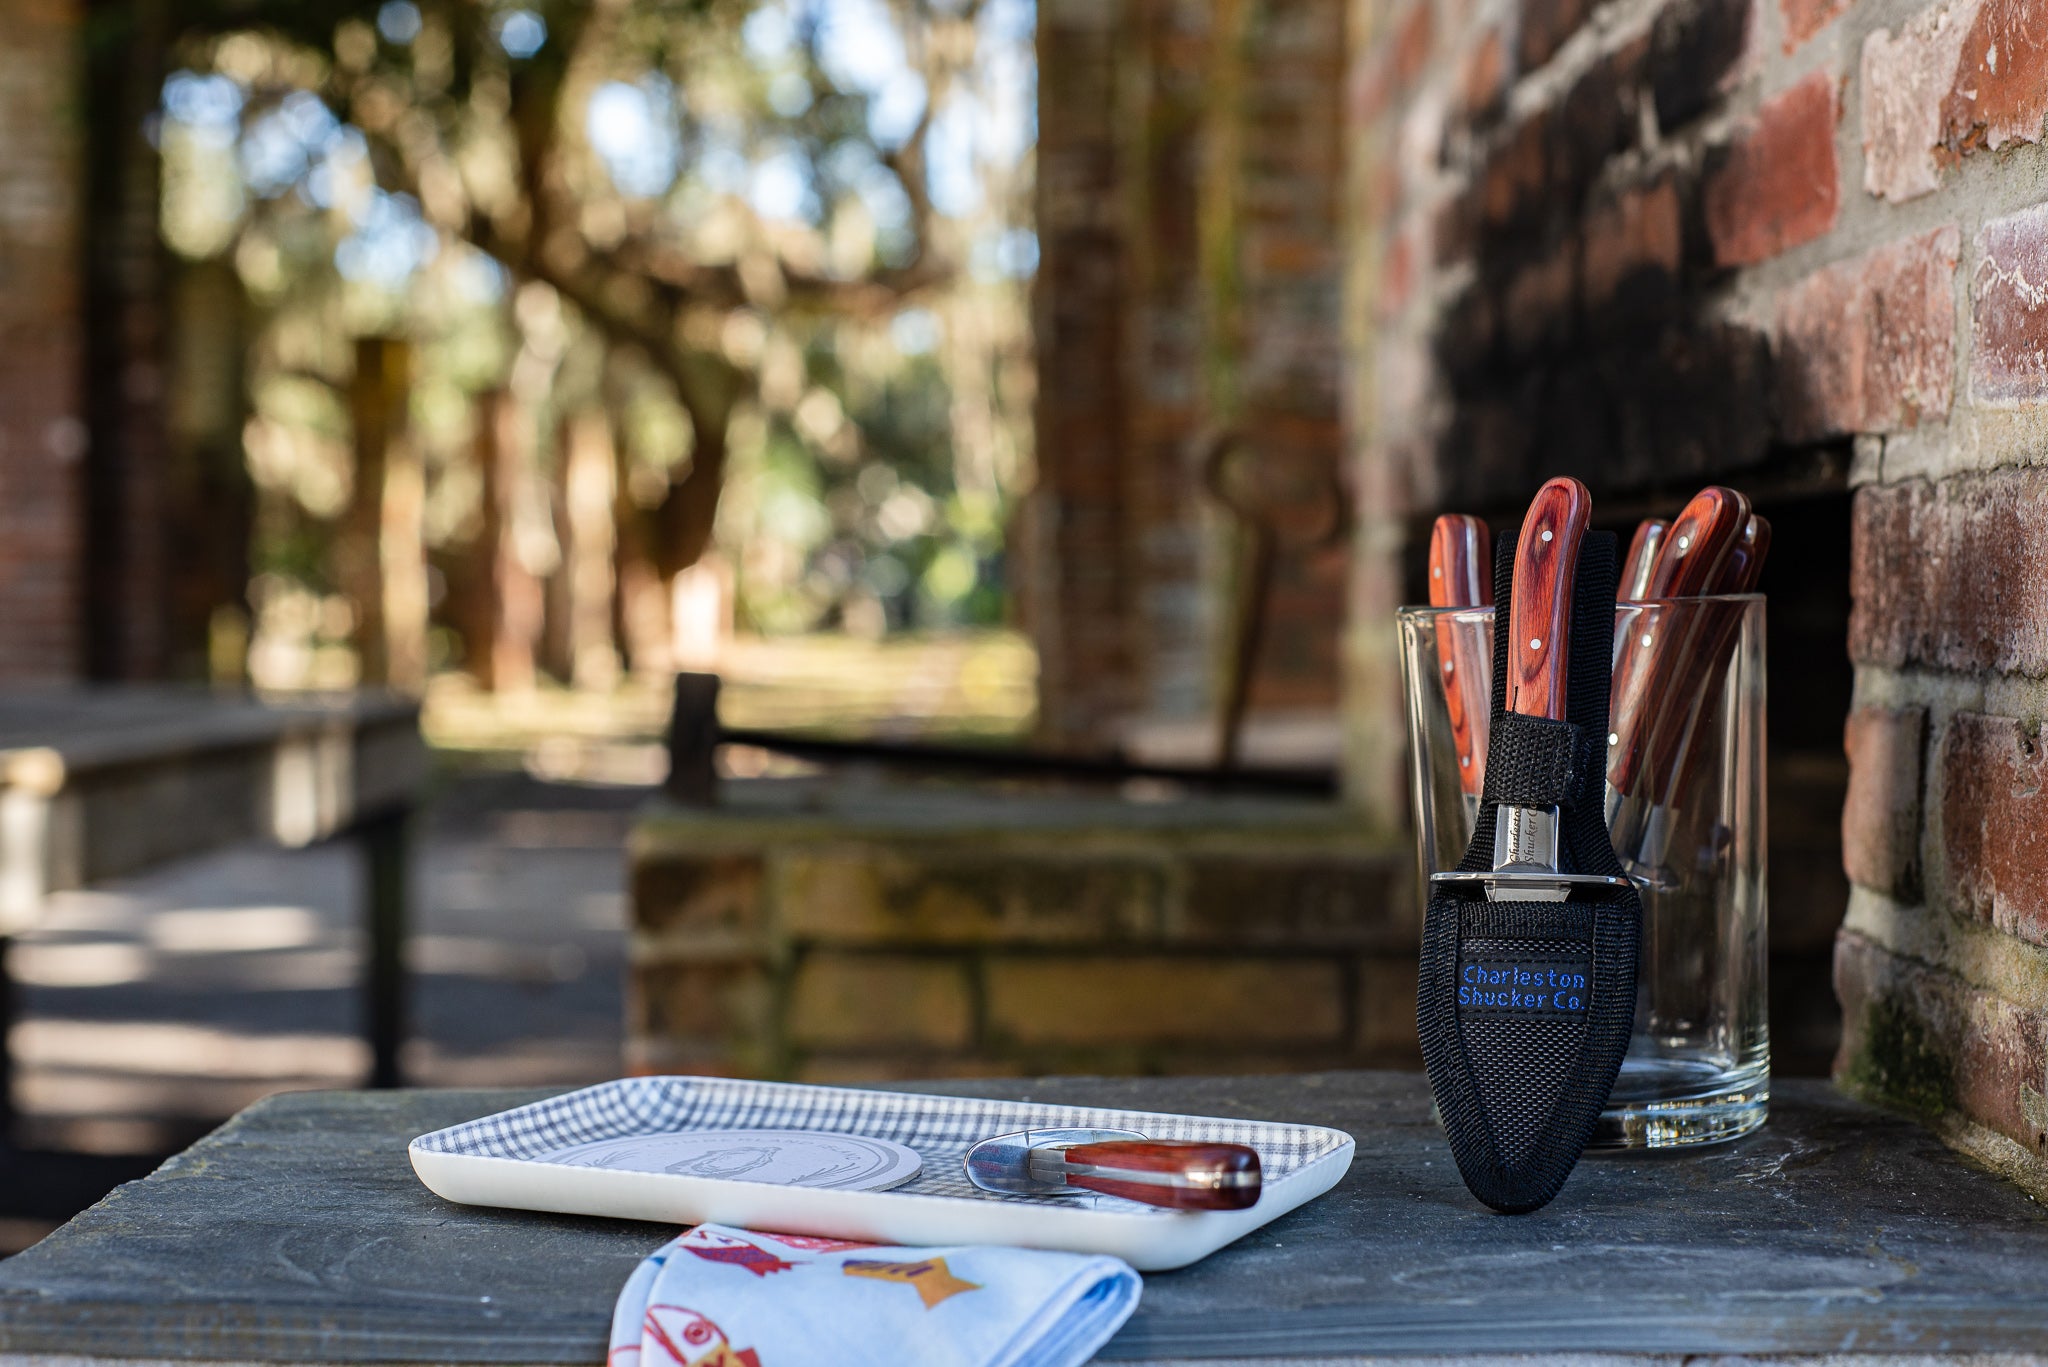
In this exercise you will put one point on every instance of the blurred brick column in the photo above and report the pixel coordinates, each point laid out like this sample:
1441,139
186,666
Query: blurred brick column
42,432
1075,591
130,503
1190,184
1276,271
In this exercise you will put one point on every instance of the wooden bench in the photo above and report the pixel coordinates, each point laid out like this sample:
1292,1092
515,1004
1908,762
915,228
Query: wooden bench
297,1233
98,782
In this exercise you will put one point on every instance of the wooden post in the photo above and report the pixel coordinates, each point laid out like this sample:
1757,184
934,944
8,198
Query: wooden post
380,555
693,741
382,837
506,620
587,481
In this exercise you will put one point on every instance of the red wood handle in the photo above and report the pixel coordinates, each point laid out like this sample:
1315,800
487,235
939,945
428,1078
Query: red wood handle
1642,558
1223,1176
1650,666
1461,576
1460,569
1674,748
1546,561
1698,544
1746,560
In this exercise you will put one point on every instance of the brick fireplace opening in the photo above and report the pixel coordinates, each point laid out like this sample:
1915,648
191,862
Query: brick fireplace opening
1794,246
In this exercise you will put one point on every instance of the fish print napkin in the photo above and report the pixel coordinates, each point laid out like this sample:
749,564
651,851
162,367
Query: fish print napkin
723,1297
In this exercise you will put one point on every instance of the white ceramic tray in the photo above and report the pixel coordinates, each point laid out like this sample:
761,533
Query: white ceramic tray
500,1161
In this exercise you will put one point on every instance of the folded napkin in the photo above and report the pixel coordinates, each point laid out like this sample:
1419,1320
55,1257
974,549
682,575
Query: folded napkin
723,1297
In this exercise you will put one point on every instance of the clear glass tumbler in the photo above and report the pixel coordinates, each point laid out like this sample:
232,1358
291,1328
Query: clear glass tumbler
1685,806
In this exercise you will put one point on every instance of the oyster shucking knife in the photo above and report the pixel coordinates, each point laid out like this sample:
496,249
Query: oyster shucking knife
1179,1174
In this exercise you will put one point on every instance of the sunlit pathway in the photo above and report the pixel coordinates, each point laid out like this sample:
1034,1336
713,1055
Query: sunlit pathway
155,1007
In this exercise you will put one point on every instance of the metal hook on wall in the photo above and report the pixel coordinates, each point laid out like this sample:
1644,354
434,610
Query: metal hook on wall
1262,522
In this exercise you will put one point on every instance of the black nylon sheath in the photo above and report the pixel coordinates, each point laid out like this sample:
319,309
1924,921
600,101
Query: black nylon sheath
1519,1092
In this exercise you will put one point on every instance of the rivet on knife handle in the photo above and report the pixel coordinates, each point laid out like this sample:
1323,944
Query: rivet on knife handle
1546,563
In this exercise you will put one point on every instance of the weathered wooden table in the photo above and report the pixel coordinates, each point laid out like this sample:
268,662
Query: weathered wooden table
297,1233
97,782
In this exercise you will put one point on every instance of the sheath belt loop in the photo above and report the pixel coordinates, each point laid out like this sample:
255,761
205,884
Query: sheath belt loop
1537,762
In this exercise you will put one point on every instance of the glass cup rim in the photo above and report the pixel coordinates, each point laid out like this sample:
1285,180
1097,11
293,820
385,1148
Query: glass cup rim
1426,611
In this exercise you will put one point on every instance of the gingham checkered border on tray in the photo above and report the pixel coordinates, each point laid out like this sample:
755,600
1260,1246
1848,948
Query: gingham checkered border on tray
940,1129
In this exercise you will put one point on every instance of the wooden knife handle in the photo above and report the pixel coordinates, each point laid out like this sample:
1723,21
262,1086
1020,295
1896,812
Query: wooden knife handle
1642,558
1546,562
1698,543
1460,567
1221,1176
1461,576
1675,748
1650,664
1746,560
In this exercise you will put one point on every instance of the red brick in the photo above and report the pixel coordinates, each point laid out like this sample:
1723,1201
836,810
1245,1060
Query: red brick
1133,1000
1868,345
1881,816
1956,78
1410,50
2009,309
1778,186
1296,900
880,1001
2000,92
1695,55
706,896
1916,1036
1397,273
1483,76
1378,82
1635,232
1951,575
1994,822
1905,79
1546,24
42,435
1517,172
1594,120
1386,1012
1804,18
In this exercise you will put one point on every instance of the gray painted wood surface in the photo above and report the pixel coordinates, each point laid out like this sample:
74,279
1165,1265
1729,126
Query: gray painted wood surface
298,1233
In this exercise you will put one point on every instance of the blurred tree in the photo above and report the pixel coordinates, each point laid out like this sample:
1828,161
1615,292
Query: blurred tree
717,189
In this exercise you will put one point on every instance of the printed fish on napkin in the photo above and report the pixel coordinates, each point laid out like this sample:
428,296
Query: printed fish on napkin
723,1297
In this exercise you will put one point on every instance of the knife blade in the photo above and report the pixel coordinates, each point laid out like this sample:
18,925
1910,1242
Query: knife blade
1179,1174
1460,576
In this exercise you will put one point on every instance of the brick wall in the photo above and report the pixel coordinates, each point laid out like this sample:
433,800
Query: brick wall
42,435
1189,215
793,932
1795,245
